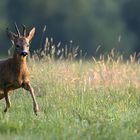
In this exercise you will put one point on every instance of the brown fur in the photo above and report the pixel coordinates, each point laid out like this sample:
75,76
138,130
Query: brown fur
14,72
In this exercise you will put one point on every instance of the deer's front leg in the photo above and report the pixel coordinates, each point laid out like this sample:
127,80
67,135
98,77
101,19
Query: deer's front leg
7,99
29,88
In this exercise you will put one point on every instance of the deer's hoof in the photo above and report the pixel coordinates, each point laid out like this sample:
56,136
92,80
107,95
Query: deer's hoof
36,109
5,110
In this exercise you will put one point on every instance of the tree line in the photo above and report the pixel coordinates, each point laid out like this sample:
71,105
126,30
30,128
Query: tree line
90,24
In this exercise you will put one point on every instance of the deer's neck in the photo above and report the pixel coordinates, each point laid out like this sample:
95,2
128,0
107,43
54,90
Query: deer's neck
19,70
20,65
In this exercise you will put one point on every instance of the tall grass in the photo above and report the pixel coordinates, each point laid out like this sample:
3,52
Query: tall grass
79,100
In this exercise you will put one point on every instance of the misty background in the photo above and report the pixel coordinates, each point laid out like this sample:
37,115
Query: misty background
90,24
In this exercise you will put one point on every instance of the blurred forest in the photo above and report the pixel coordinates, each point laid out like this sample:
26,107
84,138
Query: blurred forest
90,24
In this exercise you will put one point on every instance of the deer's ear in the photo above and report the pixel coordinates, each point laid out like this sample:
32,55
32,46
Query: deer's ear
31,34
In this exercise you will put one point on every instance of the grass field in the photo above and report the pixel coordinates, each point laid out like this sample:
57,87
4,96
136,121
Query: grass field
78,101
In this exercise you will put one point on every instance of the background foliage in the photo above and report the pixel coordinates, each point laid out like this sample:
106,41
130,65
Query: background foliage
89,23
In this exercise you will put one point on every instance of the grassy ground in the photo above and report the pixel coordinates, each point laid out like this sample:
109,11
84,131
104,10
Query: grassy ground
78,101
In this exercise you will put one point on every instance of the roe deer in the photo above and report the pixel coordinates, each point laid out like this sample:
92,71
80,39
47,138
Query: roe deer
14,72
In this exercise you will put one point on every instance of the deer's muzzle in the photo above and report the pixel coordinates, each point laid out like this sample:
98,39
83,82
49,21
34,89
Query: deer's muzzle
23,53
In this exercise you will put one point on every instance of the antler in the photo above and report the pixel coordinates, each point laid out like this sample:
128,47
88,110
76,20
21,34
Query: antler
17,30
24,30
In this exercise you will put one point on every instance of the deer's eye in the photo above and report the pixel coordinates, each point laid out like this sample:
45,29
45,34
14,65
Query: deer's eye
17,46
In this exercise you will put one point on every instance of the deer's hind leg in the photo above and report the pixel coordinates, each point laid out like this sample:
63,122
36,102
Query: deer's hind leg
7,100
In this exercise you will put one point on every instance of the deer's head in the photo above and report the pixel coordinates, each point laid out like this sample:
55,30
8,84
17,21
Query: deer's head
21,41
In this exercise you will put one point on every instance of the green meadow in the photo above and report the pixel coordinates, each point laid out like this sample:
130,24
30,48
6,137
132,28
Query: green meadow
79,100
